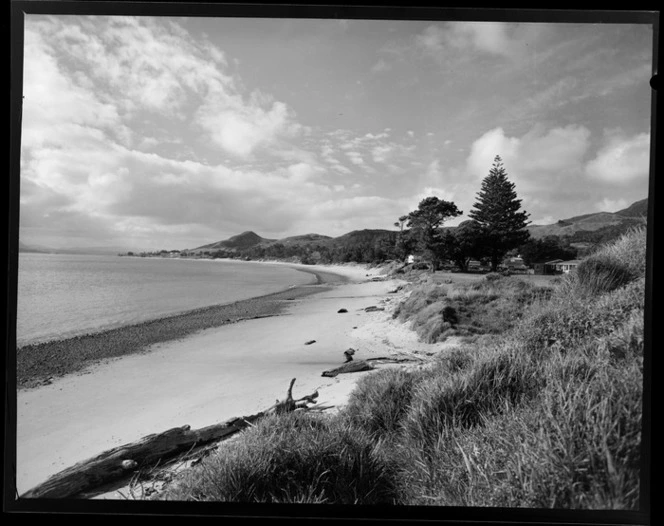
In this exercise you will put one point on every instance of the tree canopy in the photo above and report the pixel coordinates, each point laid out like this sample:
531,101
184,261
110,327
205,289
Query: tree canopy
425,223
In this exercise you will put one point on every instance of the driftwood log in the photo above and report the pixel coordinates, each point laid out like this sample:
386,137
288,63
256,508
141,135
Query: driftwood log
120,462
349,367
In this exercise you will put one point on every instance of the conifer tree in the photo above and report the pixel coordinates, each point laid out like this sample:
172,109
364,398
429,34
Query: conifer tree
502,225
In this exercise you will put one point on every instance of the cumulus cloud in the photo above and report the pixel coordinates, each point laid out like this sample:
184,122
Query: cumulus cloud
546,166
622,160
102,92
533,159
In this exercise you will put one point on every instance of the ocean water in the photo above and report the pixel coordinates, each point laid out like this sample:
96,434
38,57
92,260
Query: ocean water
62,295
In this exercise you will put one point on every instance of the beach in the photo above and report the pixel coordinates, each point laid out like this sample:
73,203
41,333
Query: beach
204,376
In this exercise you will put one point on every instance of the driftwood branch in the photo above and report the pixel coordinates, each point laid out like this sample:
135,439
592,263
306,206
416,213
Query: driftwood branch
122,461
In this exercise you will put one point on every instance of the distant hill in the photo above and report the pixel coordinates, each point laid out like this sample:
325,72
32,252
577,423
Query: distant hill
304,239
22,247
95,251
251,239
581,226
638,209
239,242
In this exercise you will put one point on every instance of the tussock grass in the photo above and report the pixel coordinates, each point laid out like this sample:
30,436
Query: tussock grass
293,458
609,268
545,413
491,305
378,404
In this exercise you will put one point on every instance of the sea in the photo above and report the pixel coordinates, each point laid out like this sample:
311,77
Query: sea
64,295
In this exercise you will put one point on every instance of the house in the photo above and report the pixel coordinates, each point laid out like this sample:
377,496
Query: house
515,264
474,265
547,268
566,266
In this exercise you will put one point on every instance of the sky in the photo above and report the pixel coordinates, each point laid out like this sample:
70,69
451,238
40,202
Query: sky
169,133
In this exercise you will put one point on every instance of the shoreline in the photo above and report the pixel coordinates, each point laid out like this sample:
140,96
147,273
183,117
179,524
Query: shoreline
40,363
213,375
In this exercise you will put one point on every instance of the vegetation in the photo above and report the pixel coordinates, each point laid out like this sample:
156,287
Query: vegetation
425,223
502,226
544,413
487,306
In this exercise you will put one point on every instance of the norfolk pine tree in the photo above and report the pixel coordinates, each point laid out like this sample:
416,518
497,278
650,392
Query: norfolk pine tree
502,225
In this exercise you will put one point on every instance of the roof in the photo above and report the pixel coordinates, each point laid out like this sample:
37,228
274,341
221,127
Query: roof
554,262
570,262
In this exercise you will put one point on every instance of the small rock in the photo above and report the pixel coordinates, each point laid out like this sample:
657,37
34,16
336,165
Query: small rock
342,311
309,342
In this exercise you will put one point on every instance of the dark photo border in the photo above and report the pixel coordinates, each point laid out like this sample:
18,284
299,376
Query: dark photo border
19,508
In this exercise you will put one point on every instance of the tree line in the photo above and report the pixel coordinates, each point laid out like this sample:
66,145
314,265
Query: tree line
497,228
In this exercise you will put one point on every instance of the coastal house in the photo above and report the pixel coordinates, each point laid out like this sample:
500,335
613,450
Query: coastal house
515,264
567,266
548,267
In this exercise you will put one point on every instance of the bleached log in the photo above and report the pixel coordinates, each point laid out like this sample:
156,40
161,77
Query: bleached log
349,367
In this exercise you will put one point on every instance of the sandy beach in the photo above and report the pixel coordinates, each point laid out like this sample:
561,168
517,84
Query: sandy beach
211,375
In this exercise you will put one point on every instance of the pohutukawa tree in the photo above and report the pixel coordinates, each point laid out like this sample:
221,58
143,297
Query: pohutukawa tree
502,226
425,223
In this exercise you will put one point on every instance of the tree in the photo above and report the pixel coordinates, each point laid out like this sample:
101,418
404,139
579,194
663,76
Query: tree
463,244
425,223
546,249
402,245
502,225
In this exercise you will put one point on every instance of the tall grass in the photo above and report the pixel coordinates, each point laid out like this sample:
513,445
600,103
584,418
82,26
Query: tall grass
492,305
545,413
294,458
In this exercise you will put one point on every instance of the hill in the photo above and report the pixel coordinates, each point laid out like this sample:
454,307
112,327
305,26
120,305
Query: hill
584,227
239,242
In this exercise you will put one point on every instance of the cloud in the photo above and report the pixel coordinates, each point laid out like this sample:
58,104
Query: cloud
622,160
533,158
546,166
381,66
114,69
355,158
381,154
487,37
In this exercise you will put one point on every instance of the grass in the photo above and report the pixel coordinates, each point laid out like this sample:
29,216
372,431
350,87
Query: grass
294,457
485,306
545,413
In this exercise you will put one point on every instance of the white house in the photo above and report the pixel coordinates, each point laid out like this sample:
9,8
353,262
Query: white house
566,266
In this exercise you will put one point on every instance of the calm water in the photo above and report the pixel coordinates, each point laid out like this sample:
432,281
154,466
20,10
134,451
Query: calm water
66,295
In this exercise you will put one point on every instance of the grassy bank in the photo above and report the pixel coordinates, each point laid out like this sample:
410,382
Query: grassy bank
540,405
